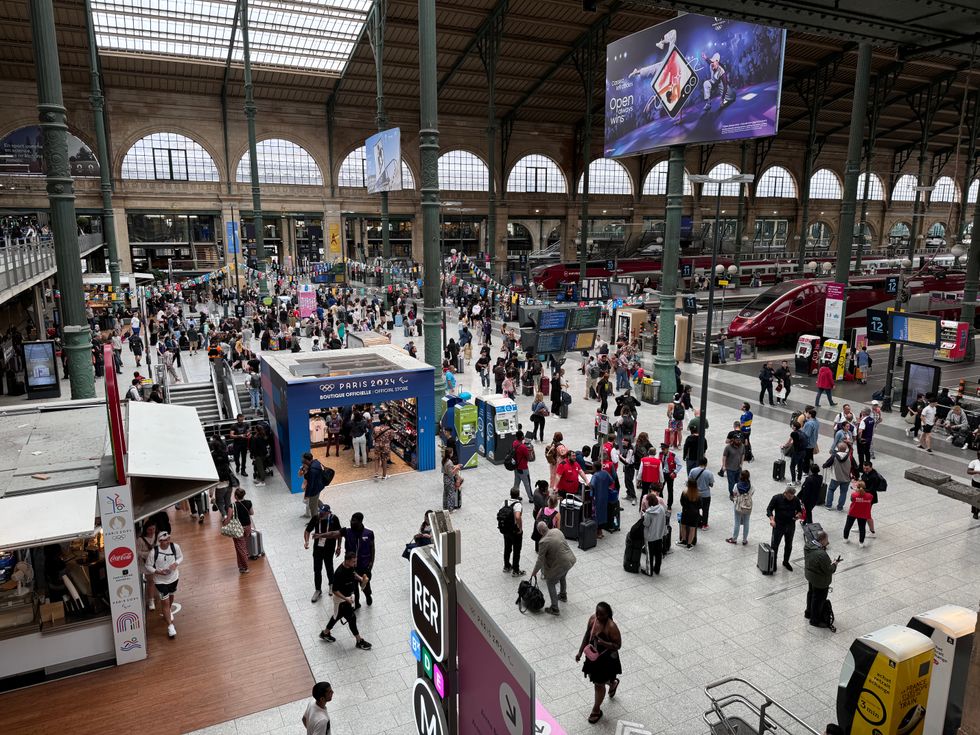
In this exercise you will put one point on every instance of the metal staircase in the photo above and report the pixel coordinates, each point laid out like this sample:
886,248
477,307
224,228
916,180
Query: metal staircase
201,396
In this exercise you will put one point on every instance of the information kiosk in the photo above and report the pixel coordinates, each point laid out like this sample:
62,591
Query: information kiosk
954,339
383,381
496,426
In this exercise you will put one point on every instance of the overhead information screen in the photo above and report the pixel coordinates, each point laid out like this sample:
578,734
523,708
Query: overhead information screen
584,318
915,329
552,319
550,343
580,341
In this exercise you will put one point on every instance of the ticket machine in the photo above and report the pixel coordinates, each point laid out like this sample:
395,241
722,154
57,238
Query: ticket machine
954,338
458,425
834,354
807,354
496,427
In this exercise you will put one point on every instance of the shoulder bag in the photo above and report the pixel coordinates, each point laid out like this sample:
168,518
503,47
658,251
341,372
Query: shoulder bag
233,528
590,651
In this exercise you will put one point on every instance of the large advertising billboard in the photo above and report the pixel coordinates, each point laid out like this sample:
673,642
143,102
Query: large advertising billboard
22,153
692,79
383,158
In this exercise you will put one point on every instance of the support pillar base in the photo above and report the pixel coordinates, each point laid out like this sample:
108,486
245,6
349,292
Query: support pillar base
81,372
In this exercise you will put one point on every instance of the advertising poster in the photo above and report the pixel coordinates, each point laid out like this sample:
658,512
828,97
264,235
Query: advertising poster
122,572
39,361
833,310
22,153
383,161
335,239
232,238
692,79
307,301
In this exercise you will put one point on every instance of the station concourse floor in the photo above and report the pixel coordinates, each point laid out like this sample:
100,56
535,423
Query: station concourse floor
709,615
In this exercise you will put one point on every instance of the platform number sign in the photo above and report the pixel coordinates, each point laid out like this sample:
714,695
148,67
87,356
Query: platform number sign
877,325
686,270
891,285
429,596
690,304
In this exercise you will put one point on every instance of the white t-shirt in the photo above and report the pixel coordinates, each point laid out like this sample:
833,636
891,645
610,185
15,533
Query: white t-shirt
975,466
928,415
160,558
317,720
134,322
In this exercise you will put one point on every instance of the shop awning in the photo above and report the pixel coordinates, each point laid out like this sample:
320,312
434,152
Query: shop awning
37,519
169,459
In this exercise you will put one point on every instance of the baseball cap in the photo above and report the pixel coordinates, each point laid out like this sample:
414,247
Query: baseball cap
163,536
875,403
324,508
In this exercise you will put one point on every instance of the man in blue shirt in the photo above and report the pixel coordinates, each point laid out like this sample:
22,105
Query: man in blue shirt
745,424
360,540
312,472
811,432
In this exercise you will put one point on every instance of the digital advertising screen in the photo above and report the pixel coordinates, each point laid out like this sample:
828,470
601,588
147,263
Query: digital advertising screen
692,79
383,161
552,319
550,343
584,318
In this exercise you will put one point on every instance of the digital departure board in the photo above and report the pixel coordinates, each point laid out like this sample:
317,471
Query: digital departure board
552,320
580,341
915,329
550,343
584,318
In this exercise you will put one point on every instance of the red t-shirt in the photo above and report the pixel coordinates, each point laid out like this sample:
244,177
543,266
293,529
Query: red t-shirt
567,474
522,454
650,469
860,505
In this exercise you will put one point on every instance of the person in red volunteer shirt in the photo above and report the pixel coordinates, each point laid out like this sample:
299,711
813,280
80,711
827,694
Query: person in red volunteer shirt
568,474
650,473
521,473
860,511
668,468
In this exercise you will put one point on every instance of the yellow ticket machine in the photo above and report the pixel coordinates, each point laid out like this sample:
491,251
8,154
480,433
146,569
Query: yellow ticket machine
834,354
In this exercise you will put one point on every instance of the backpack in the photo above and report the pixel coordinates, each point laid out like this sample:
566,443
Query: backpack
629,425
328,475
678,412
529,597
827,615
510,461
255,381
505,517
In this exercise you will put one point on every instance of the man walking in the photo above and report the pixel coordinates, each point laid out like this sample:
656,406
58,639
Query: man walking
315,719
312,472
783,512
555,560
346,581
509,524
239,446
766,376
825,385
521,472
928,415
865,435
811,432
359,541
785,374
324,529
819,571
162,563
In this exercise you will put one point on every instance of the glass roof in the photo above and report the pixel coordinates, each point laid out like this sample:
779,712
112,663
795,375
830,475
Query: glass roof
307,35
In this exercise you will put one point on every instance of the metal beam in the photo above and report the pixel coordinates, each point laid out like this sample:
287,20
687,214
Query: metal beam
488,26
488,44
910,52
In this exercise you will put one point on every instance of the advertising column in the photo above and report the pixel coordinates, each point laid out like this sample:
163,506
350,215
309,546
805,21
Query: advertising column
122,572
833,310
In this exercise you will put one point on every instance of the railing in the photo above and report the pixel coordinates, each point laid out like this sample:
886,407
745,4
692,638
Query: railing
22,260
225,392
728,712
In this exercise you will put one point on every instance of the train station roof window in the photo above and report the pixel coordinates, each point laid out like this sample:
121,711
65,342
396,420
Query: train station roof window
536,174
776,183
655,184
353,171
971,193
945,190
876,191
316,36
905,189
824,184
722,171
462,171
607,176
168,157
281,162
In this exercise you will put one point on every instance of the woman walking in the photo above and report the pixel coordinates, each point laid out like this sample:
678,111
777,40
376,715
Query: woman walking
383,436
859,510
551,455
450,480
675,422
601,645
539,412
690,514
241,510
742,503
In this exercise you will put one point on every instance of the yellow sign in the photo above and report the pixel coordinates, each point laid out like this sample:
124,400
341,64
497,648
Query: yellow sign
722,282
335,248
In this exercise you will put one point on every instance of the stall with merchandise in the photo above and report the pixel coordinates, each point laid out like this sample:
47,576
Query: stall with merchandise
315,401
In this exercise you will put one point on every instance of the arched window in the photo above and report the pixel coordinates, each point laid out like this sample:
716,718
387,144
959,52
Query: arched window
824,184
945,190
971,193
607,176
776,183
722,171
876,191
900,235
353,171
905,189
168,157
281,162
462,171
820,235
536,174
655,184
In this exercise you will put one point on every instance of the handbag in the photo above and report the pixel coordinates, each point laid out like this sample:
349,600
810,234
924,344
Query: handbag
590,651
233,528
787,449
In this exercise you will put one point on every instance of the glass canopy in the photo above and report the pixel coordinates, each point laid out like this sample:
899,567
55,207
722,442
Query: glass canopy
310,35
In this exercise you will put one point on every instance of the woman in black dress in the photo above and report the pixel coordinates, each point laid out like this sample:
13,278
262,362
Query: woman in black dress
690,514
601,645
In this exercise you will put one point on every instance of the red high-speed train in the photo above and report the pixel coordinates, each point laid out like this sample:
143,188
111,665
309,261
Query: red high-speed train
792,308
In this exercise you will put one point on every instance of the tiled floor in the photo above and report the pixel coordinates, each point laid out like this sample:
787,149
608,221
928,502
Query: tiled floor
709,615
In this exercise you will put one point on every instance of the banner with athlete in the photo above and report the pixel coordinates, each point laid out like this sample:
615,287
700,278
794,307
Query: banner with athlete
692,79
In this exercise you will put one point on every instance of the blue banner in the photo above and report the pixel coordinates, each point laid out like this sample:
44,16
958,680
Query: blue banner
692,79
232,238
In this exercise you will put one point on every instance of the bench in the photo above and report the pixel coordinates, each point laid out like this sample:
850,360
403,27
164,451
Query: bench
945,484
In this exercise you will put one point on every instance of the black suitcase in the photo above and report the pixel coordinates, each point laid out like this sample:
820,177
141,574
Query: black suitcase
528,388
666,540
612,520
563,411
767,559
571,517
779,470
586,534
631,557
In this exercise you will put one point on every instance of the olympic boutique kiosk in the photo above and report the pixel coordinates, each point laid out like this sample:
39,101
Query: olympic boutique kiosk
302,390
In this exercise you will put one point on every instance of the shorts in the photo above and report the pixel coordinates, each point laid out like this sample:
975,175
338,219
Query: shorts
165,590
926,428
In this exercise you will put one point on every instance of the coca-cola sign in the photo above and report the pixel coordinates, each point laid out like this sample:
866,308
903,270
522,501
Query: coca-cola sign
121,558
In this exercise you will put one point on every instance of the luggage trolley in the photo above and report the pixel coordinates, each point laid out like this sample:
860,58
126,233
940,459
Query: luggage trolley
735,712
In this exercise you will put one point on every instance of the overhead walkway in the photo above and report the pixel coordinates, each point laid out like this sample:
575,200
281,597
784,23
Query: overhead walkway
25,263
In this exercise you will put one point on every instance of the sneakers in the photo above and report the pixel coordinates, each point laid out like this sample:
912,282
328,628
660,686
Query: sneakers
325,636
552,611
363,645
506,568
730,541
316,596
518,573
171,631
152,605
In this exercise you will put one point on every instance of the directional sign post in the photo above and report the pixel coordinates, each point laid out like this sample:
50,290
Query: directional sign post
429,597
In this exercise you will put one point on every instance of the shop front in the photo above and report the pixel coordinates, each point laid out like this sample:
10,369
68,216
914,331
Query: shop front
313,400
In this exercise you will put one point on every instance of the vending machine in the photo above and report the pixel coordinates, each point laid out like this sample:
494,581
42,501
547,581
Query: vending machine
496,427
834,354
458,424
954,338
807,354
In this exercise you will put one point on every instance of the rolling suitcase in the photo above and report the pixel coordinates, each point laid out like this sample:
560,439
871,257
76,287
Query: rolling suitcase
666,540
779,470
767,559
460,365
545,386
528,388
256,547
586,534
571,517
631,557
563,411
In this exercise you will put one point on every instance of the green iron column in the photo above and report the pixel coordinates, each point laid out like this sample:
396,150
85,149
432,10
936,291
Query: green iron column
852,168
105,163
376,37
663,363
260,255
489,48
429,150
61,196
743,191
586,58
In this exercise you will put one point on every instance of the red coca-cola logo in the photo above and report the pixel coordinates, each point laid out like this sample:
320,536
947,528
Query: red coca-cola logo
121,558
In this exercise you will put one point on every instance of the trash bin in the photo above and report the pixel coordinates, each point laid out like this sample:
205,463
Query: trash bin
655,385
650,391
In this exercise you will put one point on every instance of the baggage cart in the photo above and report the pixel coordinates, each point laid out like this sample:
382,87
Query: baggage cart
739,708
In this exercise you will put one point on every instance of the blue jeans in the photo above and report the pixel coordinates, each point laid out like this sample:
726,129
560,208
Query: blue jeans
832,488
829,392
741,519
732,476
255,394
